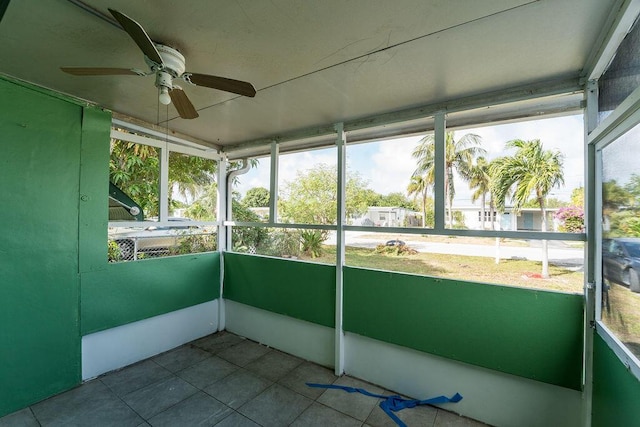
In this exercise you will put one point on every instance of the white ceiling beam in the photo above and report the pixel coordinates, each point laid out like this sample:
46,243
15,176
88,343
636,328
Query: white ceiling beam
618,25
324,135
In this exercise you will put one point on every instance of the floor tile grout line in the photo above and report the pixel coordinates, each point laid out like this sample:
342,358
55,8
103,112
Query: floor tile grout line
198,390
34,415
175,374
126,404
303,411
337,410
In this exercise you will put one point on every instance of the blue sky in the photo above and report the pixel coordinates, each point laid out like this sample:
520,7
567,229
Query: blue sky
387,165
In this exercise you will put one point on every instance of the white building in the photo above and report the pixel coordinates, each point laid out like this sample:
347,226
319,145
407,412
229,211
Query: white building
528,219
390,216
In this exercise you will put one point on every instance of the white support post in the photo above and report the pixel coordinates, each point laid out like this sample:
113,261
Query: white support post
164,189
342,167
592,293
221,207
273,185
439,130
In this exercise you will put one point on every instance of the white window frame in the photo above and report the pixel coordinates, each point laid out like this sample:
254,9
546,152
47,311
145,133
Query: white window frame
165,147
622,120
599,135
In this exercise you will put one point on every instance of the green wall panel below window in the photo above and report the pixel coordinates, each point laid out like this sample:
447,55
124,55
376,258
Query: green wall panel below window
130,291
297,289
529,333
616,391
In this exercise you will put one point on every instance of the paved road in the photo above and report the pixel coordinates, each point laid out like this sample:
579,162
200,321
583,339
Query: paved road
559,252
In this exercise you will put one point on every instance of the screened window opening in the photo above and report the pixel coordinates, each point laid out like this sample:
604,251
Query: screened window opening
250,194
307,184
192,187
137,229
386,185
622,76
310,245
134,175
621,239
487,169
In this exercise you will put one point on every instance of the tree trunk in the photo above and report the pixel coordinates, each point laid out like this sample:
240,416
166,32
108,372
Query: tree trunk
545,244
446,195
491,208
482,210
424,208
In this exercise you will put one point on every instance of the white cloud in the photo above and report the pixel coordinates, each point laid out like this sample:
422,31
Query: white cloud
392,165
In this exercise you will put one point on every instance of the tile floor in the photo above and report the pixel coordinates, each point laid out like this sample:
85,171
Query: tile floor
222,380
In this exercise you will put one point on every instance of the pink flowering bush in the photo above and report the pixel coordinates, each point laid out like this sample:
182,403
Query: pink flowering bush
571,219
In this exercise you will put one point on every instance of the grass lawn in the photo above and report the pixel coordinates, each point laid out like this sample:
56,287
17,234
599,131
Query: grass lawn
623,316
519,273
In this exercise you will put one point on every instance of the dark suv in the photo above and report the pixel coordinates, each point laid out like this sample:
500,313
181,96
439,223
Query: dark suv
621,261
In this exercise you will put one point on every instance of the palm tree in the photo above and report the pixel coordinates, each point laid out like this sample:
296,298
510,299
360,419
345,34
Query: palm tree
480,181
531,170
459,155
420,185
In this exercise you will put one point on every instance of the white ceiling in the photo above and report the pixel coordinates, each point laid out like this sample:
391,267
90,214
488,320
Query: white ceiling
313,63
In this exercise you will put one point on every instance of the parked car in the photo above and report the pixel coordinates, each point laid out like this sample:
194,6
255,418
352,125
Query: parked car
621,261
151,240
395,242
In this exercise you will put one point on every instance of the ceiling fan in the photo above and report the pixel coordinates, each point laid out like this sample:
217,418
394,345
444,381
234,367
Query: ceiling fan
168,65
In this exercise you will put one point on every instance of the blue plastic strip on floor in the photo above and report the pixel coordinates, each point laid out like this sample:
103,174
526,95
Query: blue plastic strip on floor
394,403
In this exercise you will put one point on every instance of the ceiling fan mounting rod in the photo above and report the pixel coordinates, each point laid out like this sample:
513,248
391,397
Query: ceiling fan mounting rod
164,79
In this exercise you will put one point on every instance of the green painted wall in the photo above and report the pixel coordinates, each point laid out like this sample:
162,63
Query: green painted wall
616,391
55,281
115,294
130,291
40,139
532,334
297,289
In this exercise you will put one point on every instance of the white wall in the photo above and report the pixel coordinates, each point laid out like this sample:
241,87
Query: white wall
300,338
489,396
115,348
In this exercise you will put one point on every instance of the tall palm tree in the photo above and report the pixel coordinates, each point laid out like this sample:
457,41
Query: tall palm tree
532,170
480,181
420,185
459,155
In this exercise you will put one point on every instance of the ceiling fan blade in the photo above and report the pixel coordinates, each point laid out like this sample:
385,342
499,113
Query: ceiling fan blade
87,71
183,104
139,35
222,83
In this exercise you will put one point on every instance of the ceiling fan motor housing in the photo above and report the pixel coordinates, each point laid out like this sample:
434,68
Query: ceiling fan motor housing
172,59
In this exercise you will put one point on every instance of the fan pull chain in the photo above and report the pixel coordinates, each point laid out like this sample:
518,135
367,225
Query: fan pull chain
158,108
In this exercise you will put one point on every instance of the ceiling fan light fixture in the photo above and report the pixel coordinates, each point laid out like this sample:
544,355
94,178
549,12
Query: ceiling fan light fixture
164,97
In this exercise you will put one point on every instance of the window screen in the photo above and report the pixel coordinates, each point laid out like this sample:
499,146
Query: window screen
623,75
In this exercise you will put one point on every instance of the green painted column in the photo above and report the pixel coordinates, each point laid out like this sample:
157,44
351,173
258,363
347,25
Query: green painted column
40,138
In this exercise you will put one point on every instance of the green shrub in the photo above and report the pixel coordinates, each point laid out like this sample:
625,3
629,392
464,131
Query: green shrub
312,242
195,243
114,254
395,250
285,243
